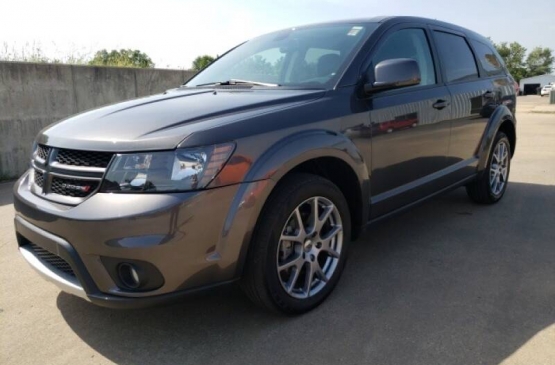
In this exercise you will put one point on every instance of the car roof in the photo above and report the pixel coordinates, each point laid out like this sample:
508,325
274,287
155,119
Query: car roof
391,20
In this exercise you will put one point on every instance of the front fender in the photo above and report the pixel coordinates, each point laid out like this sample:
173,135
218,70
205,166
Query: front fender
293,150
499,116
269,168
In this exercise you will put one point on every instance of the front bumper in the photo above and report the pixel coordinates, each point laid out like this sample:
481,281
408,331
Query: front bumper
66,282
195,240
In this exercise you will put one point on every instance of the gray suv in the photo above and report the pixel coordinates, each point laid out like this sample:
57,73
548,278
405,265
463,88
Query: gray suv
264,166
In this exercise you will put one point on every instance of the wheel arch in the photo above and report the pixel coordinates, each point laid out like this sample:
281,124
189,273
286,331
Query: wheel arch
322,153
508,127
501,120
342,175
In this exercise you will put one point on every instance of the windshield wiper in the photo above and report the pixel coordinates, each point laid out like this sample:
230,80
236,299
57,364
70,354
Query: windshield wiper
239,82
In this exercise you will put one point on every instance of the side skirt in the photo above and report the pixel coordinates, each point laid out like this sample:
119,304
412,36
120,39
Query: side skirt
420,201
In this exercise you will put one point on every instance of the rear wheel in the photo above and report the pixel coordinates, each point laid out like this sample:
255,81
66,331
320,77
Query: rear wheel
491,185
299,246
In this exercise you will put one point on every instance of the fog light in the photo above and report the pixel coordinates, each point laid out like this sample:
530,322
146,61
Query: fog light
129,275
133,275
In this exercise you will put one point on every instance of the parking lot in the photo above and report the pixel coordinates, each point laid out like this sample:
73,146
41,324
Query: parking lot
449,282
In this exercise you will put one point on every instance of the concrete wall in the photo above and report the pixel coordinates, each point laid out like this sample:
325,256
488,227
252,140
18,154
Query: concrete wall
32,96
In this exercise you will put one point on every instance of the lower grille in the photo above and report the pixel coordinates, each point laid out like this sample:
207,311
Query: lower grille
51,259
73,187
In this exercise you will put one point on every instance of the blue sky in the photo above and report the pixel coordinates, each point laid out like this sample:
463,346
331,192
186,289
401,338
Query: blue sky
173,32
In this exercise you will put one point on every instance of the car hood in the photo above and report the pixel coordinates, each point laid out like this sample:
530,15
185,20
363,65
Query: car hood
162,121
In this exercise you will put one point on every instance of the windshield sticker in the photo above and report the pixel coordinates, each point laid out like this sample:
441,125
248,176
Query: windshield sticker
354,31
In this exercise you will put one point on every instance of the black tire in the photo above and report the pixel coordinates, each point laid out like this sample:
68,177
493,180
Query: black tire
261,281
480,190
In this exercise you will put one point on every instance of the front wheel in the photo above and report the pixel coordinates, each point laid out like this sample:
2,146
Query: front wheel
491,185
299,247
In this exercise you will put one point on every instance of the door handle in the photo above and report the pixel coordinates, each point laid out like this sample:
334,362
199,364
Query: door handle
489,95
440,104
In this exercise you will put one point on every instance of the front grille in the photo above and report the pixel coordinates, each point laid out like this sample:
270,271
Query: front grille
72,187
43,151
39,178
52,259
71,176
84,158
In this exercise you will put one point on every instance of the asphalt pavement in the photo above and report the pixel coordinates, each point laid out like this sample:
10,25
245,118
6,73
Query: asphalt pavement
449,282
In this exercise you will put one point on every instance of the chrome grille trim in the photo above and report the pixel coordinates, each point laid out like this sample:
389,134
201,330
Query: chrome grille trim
75,177
98,170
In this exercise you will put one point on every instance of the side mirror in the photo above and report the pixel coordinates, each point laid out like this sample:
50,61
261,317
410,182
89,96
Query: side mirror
394,74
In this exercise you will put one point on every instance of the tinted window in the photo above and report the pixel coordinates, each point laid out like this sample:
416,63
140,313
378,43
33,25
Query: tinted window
409,43
488,58
456,56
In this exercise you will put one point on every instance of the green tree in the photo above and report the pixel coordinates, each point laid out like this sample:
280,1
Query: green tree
278,65
513,56
257,68
202,62
122,58
258,65
539,61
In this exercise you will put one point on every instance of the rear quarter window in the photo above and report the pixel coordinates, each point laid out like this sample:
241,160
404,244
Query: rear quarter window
488,58
456,56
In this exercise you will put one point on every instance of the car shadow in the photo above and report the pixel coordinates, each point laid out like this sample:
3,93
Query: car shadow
449,282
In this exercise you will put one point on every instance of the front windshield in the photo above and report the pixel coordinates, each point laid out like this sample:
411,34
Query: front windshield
308,57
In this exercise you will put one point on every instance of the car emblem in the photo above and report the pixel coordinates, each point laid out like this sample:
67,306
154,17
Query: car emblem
84,189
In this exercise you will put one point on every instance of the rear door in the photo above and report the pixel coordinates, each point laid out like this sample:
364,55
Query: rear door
473,100
492,68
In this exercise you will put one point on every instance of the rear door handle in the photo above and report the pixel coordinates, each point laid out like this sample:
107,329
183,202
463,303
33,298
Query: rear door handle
440,104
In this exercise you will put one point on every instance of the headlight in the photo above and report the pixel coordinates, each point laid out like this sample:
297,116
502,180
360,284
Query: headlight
179,170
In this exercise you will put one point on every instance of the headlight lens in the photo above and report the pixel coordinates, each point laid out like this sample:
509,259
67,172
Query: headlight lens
179,170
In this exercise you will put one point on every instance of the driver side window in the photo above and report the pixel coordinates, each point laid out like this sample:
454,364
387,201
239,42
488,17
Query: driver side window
408,43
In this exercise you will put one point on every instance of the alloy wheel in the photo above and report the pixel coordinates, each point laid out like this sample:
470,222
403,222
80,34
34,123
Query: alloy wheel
310,247
499,168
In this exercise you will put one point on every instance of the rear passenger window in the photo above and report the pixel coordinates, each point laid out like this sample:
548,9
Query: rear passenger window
457,58
488,59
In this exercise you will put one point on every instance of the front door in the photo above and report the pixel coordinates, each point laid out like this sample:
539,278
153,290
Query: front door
410,127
